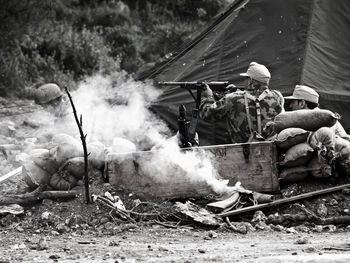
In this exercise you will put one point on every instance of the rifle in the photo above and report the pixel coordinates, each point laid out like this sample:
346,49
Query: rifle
217,87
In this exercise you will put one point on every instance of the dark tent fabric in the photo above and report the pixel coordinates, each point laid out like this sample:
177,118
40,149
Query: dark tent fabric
299,41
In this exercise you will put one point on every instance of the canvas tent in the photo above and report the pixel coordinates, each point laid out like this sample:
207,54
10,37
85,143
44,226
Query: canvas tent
300,42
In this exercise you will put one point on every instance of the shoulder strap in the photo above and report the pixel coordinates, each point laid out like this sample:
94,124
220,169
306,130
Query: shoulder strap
247,112
258,114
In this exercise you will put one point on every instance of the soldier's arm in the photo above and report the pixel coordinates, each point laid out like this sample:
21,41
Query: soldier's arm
209,108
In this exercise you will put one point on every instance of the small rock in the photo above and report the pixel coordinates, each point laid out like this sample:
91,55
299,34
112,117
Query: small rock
212,234
346,211
163,248
295,253
54,257
259,217
310,250
302,228
113,243
42,244
62,228
19,229
200,250
318,228
45,215
301,241
322,210
55,233
333,202
291,230
104,220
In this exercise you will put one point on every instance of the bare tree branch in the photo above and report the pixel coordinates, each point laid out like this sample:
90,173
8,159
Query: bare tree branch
83,140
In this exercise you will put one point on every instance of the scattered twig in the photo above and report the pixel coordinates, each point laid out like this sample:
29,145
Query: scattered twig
229,224
336,248
167,225
120,212
83,140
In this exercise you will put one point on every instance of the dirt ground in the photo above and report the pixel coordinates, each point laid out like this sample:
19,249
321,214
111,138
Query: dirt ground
72,231
155,243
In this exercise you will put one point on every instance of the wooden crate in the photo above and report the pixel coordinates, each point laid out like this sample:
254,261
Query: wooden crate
253,164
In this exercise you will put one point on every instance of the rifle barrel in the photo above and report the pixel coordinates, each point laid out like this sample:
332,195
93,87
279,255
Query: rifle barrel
215,85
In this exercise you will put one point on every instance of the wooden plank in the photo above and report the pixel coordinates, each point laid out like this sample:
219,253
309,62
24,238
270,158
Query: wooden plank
15,172
256,172
128,171
284,201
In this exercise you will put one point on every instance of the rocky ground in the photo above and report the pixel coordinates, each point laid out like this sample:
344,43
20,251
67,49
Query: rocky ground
73,231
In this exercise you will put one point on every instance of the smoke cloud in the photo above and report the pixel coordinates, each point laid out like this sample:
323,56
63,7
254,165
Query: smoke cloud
115,110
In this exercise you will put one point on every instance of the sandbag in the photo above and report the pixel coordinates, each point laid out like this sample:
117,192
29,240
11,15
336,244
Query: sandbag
63,180
33,175
342,149
293,174
121,145
319,169
324,136
310,120
75,166
290,137
297,155
44,160
97,154
66,148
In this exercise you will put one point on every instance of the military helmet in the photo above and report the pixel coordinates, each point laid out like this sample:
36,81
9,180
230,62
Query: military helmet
47,92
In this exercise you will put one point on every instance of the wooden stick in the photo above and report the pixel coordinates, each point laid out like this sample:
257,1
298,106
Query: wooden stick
284,201
83,140
17,171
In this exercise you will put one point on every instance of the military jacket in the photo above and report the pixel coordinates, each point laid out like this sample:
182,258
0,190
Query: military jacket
233,108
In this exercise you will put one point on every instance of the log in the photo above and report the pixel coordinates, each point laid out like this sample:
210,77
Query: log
284,201
36,196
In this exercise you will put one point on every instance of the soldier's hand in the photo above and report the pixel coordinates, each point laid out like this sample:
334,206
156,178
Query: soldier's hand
207,92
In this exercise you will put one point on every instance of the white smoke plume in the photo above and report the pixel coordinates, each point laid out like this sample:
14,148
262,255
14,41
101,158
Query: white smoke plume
115,107
172,165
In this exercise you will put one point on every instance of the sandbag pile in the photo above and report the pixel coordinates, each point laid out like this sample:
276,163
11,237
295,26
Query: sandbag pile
307,145
62,166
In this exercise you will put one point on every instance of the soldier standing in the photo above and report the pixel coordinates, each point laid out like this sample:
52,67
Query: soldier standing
247,112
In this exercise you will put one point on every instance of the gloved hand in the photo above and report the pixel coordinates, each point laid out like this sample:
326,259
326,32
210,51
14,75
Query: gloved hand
207,92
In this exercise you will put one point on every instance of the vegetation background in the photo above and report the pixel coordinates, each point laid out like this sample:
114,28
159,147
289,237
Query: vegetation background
63,41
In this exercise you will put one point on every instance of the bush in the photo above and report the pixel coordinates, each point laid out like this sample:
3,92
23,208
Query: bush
65,40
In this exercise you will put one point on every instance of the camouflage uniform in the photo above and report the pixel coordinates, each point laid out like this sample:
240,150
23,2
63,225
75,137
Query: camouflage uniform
232,106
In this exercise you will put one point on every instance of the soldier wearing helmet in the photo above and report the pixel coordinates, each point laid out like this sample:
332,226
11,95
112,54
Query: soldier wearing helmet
247,112
51,98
